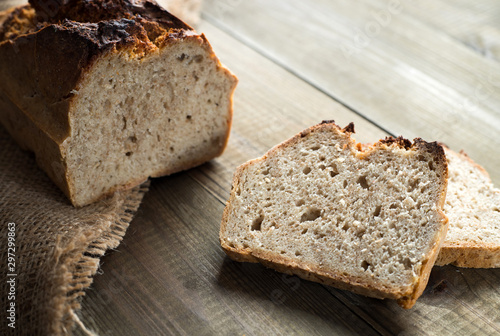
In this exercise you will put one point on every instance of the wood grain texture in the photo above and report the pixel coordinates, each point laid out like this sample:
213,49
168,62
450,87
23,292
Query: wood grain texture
409,78
476,24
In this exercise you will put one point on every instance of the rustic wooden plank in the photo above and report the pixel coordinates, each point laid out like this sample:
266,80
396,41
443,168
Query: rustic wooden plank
476,24
457,301
401,74
171,277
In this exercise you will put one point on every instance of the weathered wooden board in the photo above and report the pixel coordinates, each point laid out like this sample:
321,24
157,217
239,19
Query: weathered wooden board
476,24
400,73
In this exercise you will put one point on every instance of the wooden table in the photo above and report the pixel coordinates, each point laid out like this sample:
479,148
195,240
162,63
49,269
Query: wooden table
429,69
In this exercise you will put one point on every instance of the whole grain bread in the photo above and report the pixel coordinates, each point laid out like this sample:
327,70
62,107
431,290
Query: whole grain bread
473,208
109,93
322,207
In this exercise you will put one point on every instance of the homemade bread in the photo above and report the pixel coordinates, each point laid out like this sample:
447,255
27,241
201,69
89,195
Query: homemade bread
109,93
321,207
473,208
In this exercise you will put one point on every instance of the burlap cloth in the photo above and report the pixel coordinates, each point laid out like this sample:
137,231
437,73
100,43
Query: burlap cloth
57,247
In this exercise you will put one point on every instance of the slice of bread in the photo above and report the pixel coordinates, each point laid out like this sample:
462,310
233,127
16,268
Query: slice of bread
322,207
473,208
110,93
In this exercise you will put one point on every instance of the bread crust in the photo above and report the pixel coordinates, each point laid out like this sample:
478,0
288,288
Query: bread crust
62,44
290,266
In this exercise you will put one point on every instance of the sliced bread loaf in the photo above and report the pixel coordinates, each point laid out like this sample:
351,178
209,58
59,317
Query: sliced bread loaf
473,209
321,207
109,93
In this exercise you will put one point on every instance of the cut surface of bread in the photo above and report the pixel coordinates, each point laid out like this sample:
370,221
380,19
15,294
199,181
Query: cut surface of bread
319,206
473,209
109,93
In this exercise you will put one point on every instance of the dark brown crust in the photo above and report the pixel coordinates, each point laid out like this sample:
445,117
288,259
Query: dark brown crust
287,265
94,11
400,141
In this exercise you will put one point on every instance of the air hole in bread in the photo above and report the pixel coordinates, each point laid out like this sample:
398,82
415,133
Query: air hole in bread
363,182
265,172
365,264
322,167
198,58
315,147
319,235
413,185
406,263
129,153
257,223
311,214
322,158
377,211
360,233
304,231
306,170
107,105
132,139
297,253
334,170
300,202
431,165
345,227
344,184
393,206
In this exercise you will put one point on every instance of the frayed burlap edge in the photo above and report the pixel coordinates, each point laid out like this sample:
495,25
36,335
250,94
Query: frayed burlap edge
78,261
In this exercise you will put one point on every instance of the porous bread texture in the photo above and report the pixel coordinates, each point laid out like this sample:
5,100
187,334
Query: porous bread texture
473,208
119,101
157,115
318,205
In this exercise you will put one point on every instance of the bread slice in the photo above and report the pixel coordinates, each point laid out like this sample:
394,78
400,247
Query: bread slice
109,93
473,208
321,207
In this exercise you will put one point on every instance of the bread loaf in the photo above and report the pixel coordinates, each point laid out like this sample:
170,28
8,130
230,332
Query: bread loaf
322,207
109,93
473,208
